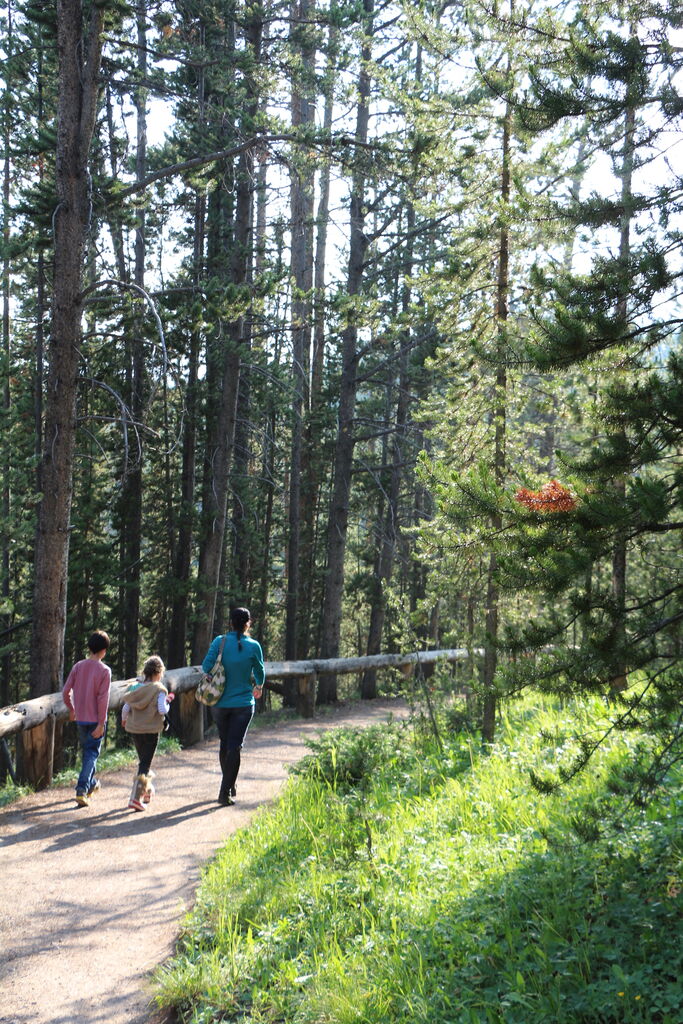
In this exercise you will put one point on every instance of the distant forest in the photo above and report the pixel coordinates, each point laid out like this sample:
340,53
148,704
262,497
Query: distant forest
362,314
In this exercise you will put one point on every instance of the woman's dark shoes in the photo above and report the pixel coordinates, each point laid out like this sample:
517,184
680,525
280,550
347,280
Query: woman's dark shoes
225,800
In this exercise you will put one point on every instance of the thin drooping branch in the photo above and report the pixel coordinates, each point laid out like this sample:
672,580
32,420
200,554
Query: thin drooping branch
234,151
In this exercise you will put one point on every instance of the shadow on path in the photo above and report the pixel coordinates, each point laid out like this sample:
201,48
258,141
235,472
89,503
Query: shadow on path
93,897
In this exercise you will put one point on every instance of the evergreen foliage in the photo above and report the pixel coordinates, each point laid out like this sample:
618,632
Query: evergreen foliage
483,301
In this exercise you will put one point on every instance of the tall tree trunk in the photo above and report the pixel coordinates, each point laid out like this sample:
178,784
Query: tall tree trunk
5,589
221,442
182,555
261,605
389,530
488,724
422,511
114,219
619,680
240,579
312,471
131,491
339,510
301,267
79,57
182,559
41,308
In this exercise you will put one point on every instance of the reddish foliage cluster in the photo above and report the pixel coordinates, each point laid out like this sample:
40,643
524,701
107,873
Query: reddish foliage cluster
552,497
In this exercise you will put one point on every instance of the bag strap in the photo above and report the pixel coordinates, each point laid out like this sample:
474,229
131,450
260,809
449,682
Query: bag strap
220,649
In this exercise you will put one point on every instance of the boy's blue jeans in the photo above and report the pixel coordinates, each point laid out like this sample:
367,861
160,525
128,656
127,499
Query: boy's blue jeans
90,749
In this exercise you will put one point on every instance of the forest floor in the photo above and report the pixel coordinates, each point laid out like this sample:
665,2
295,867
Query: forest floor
92,898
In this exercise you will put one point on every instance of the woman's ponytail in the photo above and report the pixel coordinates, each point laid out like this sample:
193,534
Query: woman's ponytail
239,620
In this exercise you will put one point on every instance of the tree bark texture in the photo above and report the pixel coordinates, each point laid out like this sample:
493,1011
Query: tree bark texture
339,510
301,276
182,554
313,468
79,56
5,563
222,435
389,528
618,681
488,724
131,490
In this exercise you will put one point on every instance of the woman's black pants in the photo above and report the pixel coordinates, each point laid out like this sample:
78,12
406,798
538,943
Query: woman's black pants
232,726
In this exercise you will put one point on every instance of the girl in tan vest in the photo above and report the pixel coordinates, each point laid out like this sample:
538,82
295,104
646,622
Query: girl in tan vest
147,702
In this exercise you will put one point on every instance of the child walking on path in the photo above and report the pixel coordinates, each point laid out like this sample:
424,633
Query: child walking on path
86,695
147,702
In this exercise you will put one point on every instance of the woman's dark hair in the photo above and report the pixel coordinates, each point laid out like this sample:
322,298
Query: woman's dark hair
239,620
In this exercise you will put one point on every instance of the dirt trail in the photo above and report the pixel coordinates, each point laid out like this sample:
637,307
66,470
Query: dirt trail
91,898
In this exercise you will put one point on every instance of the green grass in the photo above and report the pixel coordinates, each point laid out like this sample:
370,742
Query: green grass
396,882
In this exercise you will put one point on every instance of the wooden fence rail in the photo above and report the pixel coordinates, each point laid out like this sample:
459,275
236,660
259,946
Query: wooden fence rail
38,722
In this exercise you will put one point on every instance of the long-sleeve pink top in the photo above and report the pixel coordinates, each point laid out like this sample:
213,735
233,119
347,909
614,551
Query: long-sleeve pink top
86,690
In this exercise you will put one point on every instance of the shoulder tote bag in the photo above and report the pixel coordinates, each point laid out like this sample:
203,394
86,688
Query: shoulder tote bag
212,684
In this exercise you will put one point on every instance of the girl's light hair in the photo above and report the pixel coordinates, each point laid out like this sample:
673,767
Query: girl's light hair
154,666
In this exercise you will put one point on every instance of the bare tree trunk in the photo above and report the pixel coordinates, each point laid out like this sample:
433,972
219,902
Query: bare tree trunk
79,56
6,618
221,442
182,556
131,491
115,224
339,510
182,562
488,724
301,265
389,531
40,313
313,469
259,607
240,580
619,680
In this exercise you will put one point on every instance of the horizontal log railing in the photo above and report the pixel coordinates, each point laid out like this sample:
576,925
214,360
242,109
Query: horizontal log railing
35,720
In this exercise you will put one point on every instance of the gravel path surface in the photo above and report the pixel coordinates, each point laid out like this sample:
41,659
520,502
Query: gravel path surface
92,898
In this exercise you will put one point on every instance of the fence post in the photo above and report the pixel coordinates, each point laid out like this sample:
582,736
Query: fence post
305,696
35,754
190,718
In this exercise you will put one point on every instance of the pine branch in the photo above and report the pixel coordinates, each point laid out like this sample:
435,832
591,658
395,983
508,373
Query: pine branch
233,151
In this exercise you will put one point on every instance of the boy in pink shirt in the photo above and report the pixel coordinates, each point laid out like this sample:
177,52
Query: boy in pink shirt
86,695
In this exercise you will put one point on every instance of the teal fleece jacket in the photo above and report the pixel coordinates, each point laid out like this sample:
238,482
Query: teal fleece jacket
244,669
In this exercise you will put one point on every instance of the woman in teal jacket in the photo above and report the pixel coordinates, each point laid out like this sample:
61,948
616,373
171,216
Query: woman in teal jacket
244,678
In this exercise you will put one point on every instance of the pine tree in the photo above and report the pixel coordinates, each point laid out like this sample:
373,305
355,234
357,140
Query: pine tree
478,302
619,74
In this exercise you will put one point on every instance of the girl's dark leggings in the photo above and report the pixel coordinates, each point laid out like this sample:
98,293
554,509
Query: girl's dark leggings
145,744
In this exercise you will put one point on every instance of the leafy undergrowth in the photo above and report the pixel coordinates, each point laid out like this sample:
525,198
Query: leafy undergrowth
401,880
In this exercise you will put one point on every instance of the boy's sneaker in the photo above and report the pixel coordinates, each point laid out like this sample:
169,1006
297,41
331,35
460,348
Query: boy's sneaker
82,799
136,805
95,786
